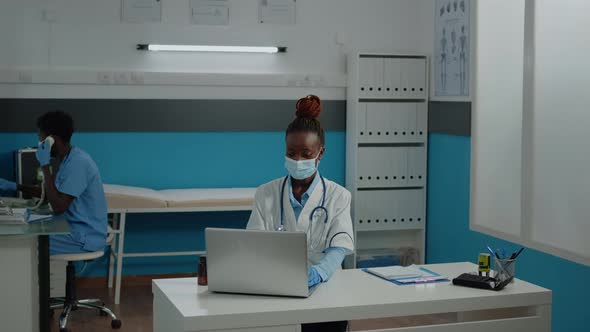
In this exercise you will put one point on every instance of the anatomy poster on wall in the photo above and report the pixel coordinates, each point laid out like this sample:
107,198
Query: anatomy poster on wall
451,48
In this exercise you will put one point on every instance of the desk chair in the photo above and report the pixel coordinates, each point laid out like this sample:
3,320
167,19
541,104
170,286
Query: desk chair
71,301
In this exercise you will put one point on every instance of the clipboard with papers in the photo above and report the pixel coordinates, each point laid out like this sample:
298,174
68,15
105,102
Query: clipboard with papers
406,275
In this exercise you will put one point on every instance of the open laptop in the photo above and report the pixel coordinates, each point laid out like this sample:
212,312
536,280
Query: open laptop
257,262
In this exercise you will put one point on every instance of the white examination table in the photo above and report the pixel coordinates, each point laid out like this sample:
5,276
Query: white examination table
123,200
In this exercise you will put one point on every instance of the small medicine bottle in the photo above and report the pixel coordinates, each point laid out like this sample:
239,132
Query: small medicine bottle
202,271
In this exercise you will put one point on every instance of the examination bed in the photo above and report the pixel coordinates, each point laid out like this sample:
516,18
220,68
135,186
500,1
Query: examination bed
124,200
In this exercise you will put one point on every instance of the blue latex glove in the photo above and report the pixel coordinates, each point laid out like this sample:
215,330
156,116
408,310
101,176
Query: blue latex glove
43,153
313,277
6,185
331,261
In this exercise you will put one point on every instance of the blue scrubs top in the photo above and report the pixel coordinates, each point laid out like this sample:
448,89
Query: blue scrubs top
298,207
78,176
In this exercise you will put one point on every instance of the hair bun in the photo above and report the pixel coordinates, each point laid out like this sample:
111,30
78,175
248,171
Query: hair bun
309,107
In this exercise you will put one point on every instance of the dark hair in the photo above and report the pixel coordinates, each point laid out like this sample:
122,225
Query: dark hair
308,110
57,123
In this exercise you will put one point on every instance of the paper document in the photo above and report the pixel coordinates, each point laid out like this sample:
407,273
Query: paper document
406,274
397,272
39,217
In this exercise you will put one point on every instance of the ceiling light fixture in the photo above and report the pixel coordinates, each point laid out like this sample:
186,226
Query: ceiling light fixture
211,48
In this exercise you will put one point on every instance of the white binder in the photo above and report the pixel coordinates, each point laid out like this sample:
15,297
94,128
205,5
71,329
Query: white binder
416,166
417,77
401,177
422,121
376,79
420,207
365,76
392,77
376,124
361,122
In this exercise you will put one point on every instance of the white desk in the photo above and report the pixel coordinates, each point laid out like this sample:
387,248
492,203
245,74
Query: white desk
179,305
24,274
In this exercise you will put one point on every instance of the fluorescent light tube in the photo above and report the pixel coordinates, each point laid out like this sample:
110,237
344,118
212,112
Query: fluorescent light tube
211,48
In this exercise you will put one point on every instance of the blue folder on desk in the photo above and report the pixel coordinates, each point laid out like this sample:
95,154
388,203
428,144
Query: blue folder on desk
406,275
30,217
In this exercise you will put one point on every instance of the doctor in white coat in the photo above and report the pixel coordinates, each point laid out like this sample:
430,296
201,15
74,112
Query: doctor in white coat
304,200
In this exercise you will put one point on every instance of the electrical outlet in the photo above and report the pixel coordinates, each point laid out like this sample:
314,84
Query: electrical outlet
104,78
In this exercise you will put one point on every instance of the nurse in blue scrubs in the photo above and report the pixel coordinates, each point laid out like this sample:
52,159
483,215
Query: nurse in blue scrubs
75,190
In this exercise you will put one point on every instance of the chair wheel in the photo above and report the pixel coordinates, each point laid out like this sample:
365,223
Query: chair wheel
115,323
65,329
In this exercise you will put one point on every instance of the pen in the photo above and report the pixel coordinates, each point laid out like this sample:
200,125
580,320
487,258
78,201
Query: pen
492,252
516,253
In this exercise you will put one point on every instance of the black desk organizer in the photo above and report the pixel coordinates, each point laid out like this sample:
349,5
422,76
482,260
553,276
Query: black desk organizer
482,282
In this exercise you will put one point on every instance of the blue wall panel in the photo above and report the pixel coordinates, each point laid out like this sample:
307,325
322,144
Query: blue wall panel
186,160
180,160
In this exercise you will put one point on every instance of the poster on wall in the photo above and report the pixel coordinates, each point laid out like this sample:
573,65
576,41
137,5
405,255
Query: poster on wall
452,48
141,11
276,11
210,12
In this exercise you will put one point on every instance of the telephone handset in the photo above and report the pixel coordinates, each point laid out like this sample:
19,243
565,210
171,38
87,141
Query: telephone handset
50,141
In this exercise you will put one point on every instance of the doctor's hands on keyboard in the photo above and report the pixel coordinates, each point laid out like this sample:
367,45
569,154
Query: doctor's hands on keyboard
313,277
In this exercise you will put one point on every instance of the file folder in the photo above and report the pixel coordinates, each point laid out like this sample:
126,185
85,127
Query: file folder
411,278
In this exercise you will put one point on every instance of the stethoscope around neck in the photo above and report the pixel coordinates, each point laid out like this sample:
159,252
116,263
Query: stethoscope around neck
281,226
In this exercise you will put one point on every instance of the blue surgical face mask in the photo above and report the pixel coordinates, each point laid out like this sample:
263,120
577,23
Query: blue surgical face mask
301,169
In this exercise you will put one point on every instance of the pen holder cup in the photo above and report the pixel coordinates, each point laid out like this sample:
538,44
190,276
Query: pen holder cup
504,269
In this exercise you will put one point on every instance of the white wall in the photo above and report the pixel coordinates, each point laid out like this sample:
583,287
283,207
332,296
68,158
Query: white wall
87,36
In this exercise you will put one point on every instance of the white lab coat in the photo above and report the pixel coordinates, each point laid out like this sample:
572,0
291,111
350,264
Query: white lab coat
338,233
